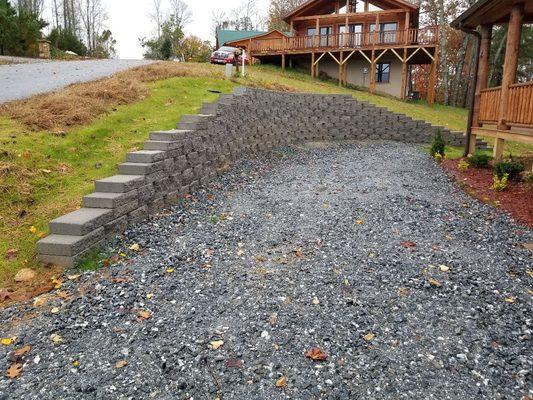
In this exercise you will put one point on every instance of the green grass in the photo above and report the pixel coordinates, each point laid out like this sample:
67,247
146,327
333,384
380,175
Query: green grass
44,175
48,175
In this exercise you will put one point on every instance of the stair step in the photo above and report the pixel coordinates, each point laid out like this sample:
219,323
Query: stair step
68,245
119,183
169,136
145,156
108,200
81,222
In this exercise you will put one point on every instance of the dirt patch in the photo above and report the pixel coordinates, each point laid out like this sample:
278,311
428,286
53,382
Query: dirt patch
515,200
79,104
23,291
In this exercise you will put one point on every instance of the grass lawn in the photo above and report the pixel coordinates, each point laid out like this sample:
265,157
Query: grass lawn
45,173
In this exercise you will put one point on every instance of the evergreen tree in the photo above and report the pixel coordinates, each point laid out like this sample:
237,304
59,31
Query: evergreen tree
9,32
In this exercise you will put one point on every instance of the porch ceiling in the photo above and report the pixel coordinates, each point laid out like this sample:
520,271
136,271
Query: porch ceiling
491,12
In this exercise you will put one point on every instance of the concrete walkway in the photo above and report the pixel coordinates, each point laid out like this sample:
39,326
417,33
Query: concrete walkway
20,81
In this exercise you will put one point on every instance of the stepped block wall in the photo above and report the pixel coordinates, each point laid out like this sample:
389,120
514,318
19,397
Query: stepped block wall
174,163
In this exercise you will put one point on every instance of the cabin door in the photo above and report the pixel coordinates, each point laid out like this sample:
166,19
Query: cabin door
354,38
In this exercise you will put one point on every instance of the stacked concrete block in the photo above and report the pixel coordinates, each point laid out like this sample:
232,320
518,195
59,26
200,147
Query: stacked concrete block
175,162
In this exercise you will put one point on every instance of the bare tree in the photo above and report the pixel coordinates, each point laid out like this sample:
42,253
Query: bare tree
93,15
157,16
181,12
35,7
277,10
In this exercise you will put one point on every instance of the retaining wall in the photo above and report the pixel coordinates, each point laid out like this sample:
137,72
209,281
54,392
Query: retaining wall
174,163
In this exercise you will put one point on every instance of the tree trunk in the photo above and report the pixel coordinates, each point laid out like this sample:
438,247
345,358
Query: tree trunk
459,71
443,51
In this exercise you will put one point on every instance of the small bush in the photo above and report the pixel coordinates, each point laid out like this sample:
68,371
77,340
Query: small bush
500,184
510,168
463,165
438,145
479,160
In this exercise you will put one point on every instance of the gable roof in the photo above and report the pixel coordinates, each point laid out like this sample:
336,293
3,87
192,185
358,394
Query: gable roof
225,36
490,12
310,3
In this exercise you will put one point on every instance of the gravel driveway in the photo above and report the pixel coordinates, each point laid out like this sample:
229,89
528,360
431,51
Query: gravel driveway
369,252
19,81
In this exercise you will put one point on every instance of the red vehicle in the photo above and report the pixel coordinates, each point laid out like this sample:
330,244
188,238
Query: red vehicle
225,55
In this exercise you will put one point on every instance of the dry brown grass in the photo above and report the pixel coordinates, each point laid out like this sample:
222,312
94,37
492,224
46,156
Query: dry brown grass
81,103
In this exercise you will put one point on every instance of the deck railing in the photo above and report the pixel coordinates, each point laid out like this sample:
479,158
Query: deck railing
346,41
519,110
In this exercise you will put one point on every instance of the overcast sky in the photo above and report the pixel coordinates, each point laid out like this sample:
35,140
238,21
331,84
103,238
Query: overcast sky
129,20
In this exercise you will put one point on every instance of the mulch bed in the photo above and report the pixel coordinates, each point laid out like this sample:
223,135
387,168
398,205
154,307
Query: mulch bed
516,200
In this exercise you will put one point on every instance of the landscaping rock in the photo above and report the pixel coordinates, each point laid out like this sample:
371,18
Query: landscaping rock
297,252
25,275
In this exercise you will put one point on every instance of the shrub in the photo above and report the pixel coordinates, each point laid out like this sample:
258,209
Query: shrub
479,160
510,168
438,145
463,165
500,184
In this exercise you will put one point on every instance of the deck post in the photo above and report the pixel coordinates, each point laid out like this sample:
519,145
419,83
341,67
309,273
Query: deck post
483,70
341,77
317,42
312,64
283,61
433,78
406,28
404,73
509,72
511,62
372,73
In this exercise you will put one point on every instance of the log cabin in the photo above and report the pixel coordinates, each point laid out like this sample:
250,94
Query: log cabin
504,112
369,43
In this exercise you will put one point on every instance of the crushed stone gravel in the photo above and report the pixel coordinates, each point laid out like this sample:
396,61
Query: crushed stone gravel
297,249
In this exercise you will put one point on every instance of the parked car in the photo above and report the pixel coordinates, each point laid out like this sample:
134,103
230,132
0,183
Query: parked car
225,55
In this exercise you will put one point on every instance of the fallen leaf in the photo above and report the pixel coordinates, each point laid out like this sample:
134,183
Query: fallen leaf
403,291
316,354
273,319
369,336
216,344
360,222
22,351
434,282
510,300
121,364
54,310
7,341
169,270
73,277
57,282
76,364
234,363
281,382
149,296
408,243
298,253
316,302
11,254
444,268
33,229
4,295
63,295
14,370
144,314
56,338
135,247
240,252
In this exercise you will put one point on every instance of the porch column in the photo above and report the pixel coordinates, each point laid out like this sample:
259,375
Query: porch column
406,28
509,71
317,44
312,65
283,61
404,73
341,57
483,71
372,73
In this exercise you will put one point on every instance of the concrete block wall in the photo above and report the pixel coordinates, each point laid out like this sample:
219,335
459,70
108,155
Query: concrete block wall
174,163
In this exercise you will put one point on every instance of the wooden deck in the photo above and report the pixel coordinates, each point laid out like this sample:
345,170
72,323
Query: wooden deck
415,38
520,105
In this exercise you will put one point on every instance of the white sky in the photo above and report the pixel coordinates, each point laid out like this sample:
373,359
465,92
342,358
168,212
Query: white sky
129,20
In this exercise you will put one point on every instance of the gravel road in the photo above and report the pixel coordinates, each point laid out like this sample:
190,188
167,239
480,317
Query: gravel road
19,81
369,252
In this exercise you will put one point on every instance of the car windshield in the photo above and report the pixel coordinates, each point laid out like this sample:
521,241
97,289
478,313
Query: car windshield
228,49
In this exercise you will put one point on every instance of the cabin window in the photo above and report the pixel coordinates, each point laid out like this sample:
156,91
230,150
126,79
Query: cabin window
383,73
354,39
387,32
